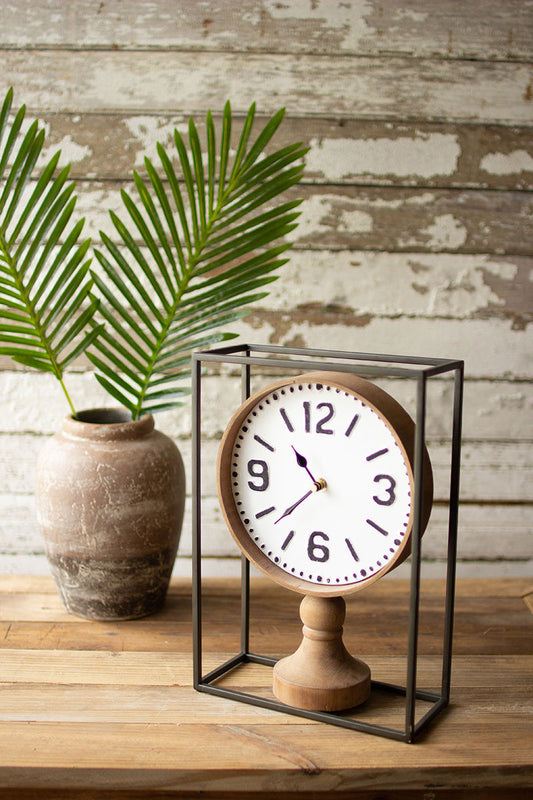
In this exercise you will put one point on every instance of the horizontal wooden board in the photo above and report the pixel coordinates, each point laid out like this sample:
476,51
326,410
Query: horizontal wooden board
35,621
72,699
429,285
92,686
375,218
467,589
89,703
392,87
76,714
328,285
490,471
433,28
488,347
297,755
486,531
409,220
36,564
493,409
348,151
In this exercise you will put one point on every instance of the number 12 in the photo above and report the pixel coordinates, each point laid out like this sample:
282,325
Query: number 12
319,428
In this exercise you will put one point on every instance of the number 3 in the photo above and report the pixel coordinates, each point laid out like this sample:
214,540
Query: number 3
391,497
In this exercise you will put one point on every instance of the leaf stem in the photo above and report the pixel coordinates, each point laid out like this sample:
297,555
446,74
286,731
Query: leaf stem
30,311
69,401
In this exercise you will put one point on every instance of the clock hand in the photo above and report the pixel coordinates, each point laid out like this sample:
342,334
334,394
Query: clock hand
317,487
302,462
290,509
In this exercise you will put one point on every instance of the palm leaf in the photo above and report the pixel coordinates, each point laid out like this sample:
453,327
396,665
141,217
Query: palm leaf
194,249
45,307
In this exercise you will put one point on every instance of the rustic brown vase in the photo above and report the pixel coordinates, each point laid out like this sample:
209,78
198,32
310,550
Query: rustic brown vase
110,495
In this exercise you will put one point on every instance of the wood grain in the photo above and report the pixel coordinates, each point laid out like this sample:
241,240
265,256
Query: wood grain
439,29
415,234
496,410
87,721
343,151
177,82
485,464
377,219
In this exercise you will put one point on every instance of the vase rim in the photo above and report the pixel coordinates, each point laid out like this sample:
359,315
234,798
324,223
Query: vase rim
107,424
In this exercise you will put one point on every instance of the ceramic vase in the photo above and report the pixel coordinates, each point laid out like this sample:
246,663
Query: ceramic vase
110,494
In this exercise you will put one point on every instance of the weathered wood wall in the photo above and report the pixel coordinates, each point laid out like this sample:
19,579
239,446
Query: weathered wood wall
415,235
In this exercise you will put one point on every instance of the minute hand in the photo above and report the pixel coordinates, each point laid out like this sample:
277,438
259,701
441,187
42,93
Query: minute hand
317,487
290,509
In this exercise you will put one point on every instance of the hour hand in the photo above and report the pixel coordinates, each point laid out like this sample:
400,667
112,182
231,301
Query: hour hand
302,462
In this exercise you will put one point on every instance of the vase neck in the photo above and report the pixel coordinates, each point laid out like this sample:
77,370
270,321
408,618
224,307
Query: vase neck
107,424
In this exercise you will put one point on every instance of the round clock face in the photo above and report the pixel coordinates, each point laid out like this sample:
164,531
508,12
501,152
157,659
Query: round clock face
320,484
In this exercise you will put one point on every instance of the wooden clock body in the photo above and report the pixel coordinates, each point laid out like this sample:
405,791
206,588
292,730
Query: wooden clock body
321,674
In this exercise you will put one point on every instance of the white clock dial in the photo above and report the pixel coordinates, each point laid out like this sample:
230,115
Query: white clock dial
321,484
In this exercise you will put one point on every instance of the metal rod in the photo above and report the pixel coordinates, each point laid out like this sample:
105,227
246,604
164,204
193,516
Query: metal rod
318,716
266,661
429,697
196,522
368,369
242,354
452,531
245,564
340,354
231,663
227,666
430,715
416,536
245,604
245,379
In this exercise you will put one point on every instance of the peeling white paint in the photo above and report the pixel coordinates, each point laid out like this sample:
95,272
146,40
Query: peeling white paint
423,156
418,199
149,131
355,222
314,215
488,347
446,231
411,14
440,284
507,163
183,82
95,206
345,18
464,292
71,152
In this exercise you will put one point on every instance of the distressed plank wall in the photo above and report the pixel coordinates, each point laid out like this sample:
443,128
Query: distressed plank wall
415,235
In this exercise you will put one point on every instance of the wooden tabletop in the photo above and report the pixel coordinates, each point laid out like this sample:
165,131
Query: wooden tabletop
88,709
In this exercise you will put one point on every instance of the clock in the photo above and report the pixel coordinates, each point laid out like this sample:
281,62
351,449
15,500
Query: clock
316,484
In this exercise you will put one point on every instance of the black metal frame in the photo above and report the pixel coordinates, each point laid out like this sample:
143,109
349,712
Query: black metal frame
368,364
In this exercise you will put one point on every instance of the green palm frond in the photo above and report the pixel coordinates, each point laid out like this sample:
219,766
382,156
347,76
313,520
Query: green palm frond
194,251
45,303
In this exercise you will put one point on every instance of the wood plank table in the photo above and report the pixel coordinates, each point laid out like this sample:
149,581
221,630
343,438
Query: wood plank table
103,710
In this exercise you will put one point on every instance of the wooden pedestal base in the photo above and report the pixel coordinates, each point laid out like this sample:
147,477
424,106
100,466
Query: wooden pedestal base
321,675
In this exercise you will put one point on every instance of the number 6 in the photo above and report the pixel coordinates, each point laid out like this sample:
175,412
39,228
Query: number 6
313,547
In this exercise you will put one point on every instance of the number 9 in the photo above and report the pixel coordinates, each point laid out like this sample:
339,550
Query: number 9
258,469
